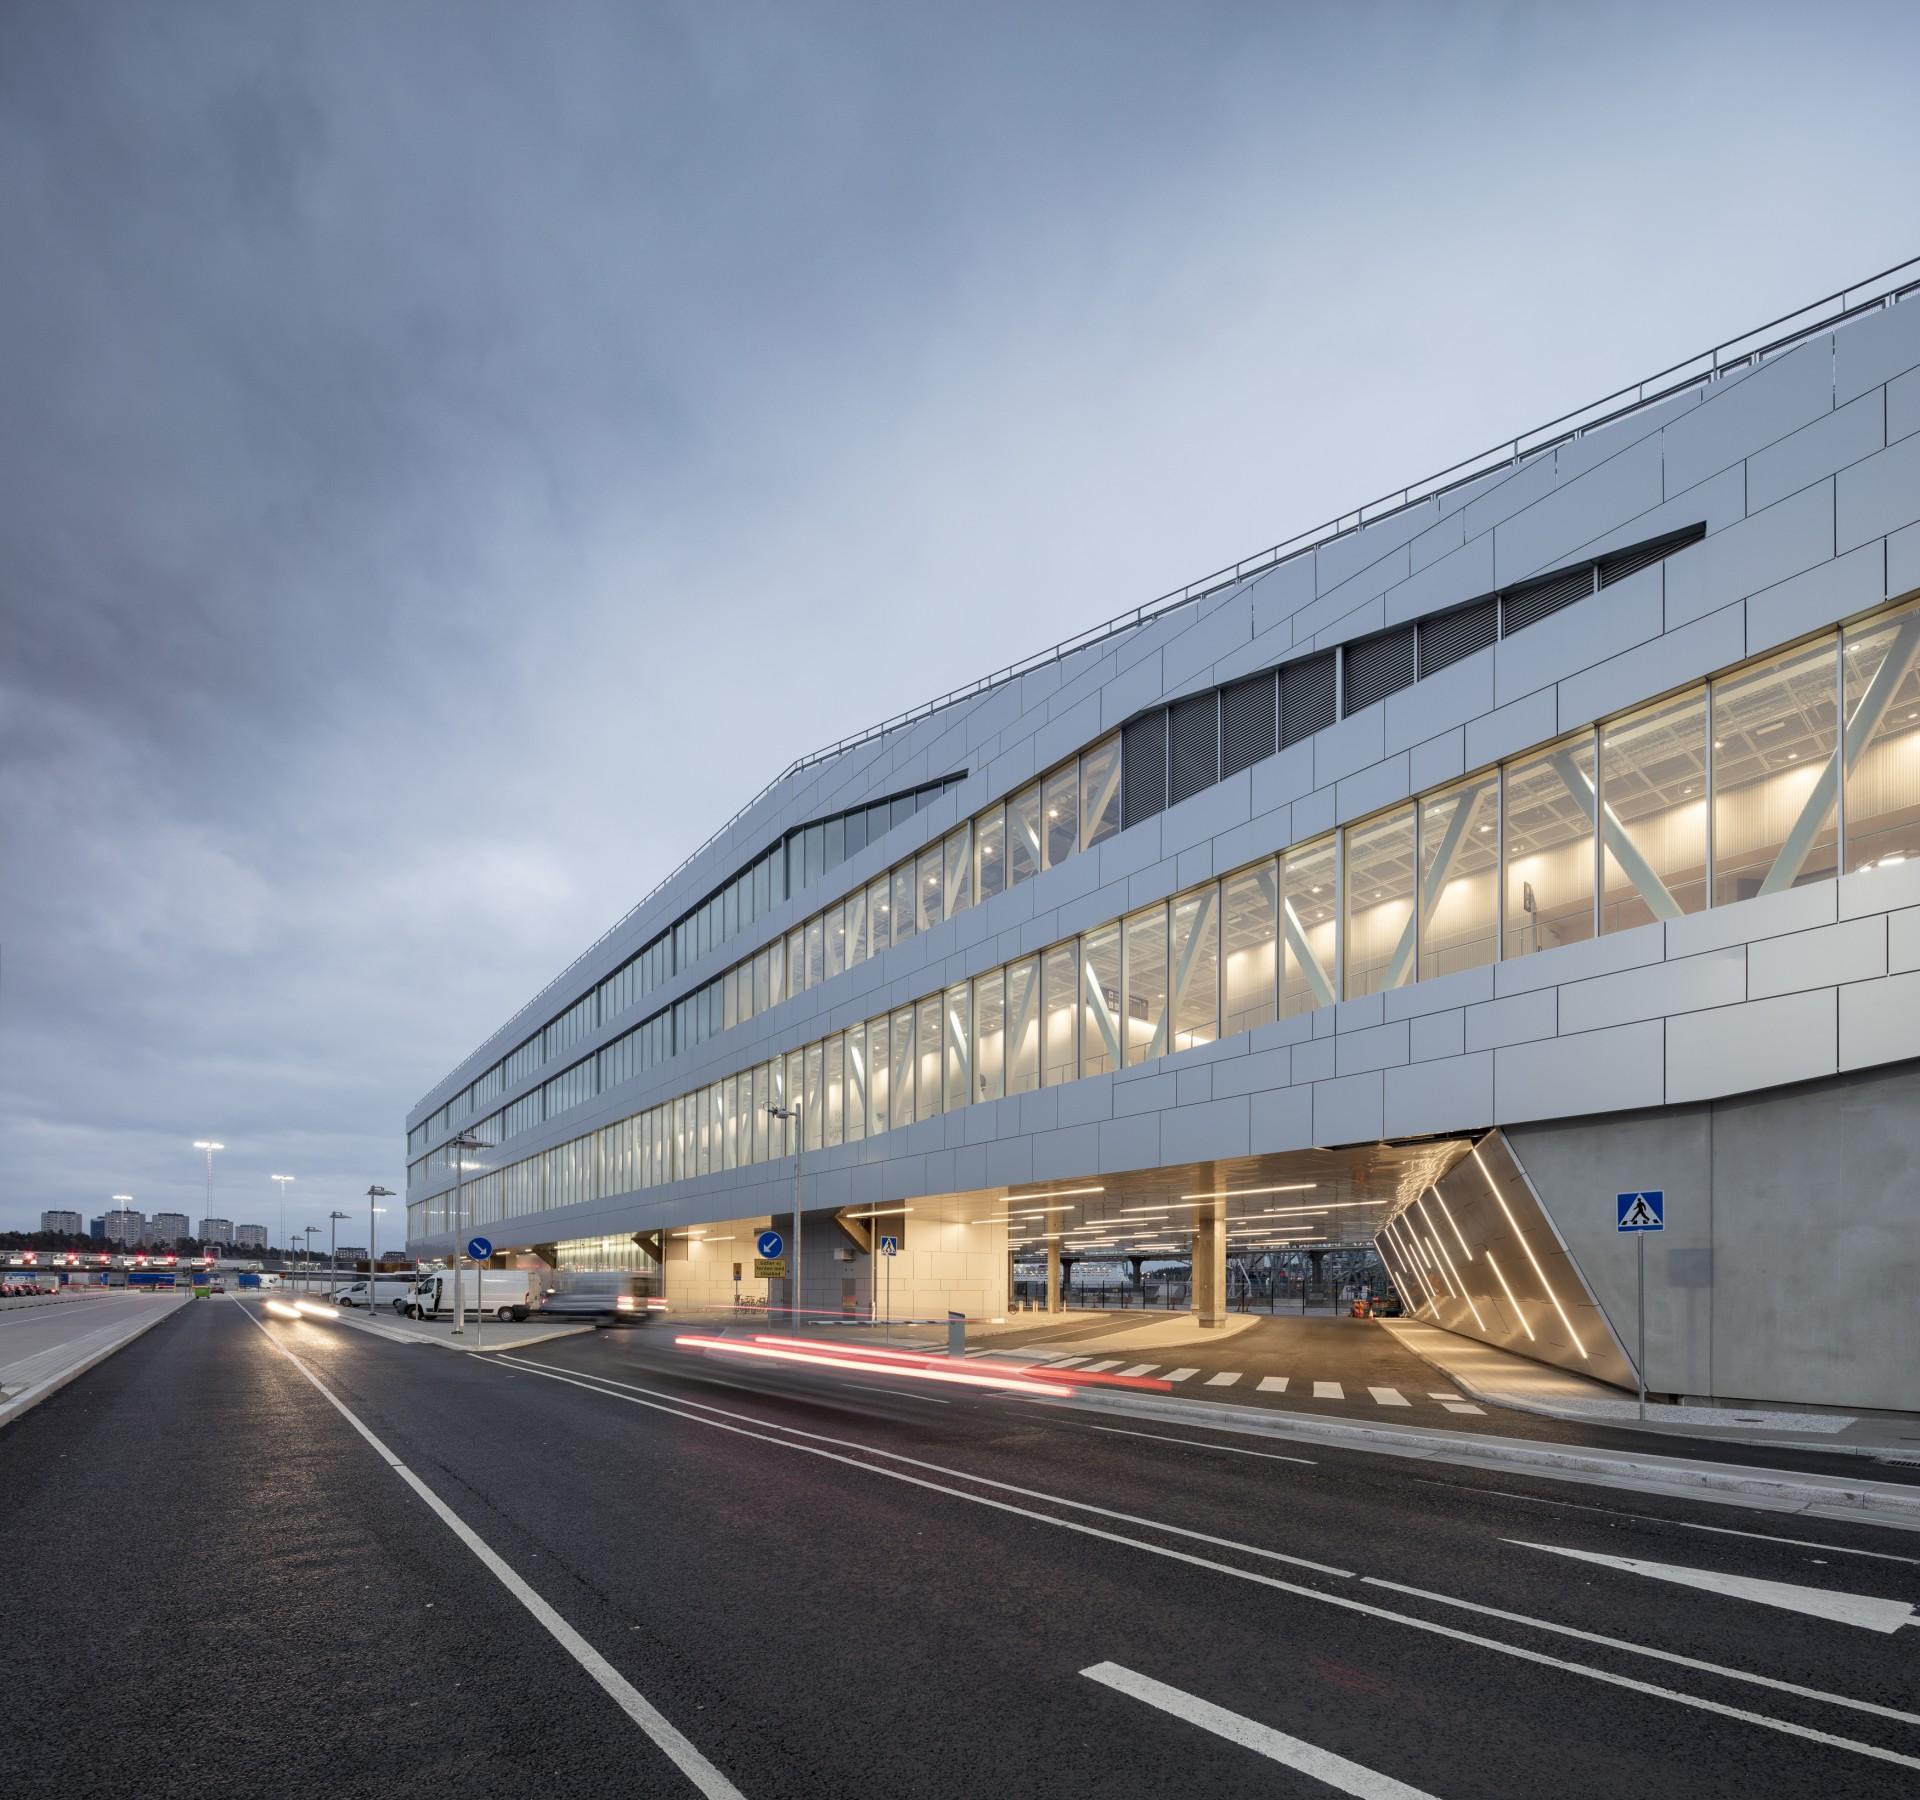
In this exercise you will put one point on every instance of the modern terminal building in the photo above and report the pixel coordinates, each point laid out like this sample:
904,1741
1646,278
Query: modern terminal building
1546,832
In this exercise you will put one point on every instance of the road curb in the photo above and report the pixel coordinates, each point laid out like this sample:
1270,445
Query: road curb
1882,1503
28,1398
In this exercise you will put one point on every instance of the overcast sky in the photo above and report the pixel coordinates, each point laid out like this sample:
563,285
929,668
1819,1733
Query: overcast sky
454,455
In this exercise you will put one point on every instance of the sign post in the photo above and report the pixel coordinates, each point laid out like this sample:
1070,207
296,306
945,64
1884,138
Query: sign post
1640,1213
889,1248
480,1249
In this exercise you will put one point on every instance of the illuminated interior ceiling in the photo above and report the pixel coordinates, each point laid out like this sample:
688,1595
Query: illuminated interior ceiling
1306,1199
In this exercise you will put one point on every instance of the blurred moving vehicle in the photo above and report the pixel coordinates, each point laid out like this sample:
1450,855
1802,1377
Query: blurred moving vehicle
612,1296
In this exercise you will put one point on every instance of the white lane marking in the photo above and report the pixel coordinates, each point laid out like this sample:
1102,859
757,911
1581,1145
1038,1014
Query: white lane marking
1868,1611
1067,1362
677,1409
1765,1537
1389,1397
1295,1753
1100,1368
673,1403
1461,1406
1181,1374
1222,1380
1441,1394
900,1394
1140,1369
1328,1390
1274,1384
622,1692
1666,1656
1197,1444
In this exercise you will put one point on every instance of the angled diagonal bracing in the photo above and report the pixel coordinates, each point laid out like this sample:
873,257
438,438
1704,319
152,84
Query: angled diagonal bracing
1819,804
1622,848
1317,978
1400,965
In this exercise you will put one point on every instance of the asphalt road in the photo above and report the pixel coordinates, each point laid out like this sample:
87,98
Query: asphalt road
783,1582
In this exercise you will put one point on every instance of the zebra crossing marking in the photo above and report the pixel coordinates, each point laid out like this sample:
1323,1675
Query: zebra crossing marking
1386,1396
1140,1369
1181,1374
1100,1368
1273,1384
1225,1380
1328,1390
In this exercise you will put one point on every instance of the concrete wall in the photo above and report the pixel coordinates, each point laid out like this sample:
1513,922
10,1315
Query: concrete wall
1788,1267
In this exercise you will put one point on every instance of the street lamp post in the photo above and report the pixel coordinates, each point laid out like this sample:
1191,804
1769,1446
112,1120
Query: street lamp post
375,1194
208,1146
333,1260
792,1114
285,1247
460,1145
306,1254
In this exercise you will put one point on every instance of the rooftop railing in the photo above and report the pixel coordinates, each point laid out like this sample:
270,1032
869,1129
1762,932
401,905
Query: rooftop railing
1772,338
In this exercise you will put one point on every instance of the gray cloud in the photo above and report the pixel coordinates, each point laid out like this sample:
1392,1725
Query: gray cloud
456,453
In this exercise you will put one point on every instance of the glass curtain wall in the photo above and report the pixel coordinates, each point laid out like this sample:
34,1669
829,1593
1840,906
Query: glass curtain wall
1882,667
1459,877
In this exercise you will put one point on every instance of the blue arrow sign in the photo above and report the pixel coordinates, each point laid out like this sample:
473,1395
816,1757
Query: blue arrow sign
479,1248
770,1244
1645,1210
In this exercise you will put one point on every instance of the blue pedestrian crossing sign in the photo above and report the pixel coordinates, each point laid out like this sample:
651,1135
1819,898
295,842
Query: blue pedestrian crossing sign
769,1244
479,1248
1642,1211
889,1245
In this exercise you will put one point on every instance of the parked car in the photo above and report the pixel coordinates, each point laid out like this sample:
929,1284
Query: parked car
505,1293
387,1288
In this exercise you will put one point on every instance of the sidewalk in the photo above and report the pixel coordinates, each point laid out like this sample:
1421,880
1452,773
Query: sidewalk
1502,1379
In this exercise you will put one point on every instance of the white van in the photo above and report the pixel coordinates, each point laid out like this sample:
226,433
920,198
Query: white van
394,1290
505,1293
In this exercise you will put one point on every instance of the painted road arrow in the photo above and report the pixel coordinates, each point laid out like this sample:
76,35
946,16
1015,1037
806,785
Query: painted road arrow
1864,1610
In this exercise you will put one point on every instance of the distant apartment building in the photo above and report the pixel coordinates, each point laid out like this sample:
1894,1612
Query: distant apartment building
164,1230
69,1222
352,1253
97,1228
249,1237
216,1231
124,1226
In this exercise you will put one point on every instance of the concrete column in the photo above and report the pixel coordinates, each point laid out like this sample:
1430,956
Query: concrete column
1053,1275
1210,1265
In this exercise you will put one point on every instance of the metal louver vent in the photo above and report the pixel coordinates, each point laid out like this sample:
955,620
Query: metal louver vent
1143,768
1623,563
1306,697
1193,757
1377,667
1455,636
1249,722
1537,600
